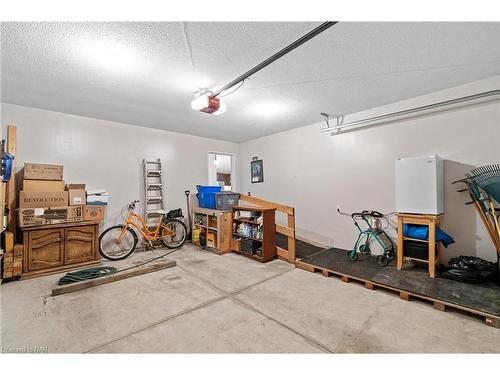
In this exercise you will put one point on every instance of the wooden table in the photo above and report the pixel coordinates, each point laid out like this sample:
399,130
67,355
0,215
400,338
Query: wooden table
432,221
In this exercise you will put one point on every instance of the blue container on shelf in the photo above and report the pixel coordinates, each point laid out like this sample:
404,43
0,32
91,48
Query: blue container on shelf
206,195
208,189
7,161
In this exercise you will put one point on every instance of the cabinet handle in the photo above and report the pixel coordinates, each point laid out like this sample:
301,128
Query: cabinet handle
45,243
79,238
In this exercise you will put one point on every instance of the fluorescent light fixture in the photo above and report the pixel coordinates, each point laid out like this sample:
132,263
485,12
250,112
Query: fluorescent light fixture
111,56
208,104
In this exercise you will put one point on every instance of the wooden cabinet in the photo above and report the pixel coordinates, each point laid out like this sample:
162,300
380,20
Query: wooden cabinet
79,244
53,248
45,249
216,222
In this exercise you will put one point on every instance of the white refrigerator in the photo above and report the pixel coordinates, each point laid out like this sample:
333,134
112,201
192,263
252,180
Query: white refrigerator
419,185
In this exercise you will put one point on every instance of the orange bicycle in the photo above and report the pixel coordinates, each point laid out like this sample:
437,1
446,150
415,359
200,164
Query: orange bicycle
119,241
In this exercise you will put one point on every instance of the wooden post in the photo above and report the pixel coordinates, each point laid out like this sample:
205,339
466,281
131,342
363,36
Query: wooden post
399,250
404,295
439,306
79,285
291,241
492,322
11,184
345,279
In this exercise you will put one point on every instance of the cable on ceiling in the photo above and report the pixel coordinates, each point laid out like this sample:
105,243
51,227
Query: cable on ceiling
229,93
318,30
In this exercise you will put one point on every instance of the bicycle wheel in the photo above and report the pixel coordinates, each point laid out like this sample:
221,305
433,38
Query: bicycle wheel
111,249
177,237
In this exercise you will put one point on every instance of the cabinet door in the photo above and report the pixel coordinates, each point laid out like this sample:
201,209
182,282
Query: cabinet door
80,244
45,249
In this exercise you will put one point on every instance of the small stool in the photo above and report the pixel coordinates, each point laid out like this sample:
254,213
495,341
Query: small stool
421,219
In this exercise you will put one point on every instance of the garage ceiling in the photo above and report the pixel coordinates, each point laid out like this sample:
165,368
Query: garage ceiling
146,73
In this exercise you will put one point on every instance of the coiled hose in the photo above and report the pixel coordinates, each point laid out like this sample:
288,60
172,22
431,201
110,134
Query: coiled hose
95,272
86,274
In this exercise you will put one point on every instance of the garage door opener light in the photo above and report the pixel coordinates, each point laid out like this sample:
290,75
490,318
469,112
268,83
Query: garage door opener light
208,101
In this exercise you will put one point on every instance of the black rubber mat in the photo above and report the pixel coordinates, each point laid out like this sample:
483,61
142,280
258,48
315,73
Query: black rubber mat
481,297
364,268
302,249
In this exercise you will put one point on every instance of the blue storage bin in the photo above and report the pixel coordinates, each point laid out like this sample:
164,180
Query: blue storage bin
206,200
208,189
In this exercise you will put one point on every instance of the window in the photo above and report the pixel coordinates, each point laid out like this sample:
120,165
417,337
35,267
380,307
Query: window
221,170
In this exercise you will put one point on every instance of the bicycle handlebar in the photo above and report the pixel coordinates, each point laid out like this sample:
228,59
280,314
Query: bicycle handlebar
131,206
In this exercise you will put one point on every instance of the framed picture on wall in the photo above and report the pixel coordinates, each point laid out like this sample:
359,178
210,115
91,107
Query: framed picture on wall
257,171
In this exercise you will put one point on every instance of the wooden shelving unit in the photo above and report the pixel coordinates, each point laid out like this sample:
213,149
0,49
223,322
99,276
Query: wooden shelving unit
265,245
217,222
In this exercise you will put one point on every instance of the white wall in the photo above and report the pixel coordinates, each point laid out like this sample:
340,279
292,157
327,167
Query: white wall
109,154
302,167
315,172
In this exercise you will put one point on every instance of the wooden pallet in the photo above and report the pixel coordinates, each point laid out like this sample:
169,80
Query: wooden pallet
490,320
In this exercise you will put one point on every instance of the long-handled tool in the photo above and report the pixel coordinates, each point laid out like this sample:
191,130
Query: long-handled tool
190,231
483,185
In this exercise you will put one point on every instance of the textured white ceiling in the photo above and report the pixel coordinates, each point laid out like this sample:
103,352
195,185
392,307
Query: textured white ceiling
349,68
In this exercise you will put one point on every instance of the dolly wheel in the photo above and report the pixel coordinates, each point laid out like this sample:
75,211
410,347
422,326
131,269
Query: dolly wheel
353,255
364,248
391,254
382,260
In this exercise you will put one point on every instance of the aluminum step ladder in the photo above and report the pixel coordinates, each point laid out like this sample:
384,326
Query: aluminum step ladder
154,202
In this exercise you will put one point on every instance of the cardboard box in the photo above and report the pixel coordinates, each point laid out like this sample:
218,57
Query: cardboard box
29,217
8,242
3,218
18,251
93,213
35,199
42,185
77,195
33,171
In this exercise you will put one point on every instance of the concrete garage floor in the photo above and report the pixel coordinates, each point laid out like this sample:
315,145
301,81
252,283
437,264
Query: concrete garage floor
225,304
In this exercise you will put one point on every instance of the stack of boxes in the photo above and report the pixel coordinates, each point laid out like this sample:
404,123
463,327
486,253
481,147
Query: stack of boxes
45,199
12,258
97,200
12,255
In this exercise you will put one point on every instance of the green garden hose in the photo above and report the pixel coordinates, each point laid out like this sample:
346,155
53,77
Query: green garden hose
95,272
86,274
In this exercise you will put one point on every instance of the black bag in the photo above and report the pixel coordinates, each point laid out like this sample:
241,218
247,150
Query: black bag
203,239
470,270
174,213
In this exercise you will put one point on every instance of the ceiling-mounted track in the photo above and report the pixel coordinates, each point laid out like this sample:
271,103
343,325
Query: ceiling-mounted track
418,111
318,30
